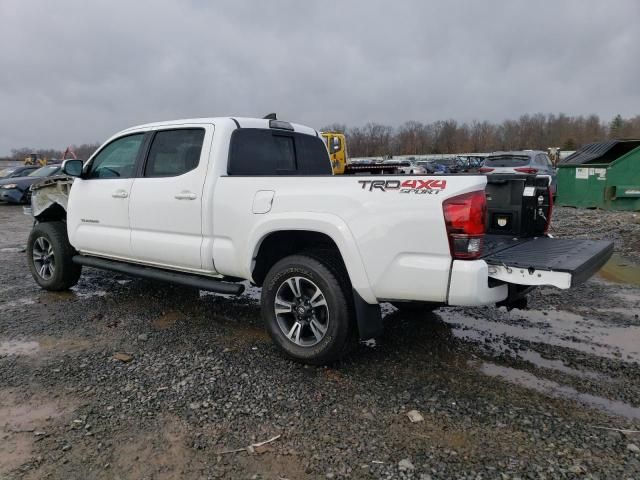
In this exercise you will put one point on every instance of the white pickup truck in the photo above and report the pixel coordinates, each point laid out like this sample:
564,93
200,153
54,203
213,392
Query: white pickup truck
213,202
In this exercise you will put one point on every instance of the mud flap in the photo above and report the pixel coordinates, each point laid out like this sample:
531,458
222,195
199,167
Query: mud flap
560,262
368,318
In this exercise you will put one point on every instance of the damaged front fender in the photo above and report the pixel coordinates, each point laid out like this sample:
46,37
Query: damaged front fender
50,195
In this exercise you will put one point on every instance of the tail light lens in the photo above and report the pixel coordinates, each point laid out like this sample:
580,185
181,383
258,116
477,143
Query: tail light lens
485,170
464,217
526,170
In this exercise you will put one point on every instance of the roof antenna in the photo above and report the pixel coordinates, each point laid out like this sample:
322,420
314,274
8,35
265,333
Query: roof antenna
270,116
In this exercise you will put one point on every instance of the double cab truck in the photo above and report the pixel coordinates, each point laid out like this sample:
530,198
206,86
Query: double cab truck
213,203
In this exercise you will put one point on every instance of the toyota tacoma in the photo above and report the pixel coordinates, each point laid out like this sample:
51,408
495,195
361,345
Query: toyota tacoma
212,203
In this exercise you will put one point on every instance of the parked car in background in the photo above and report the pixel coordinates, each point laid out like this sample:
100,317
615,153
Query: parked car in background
18,171
433,167
413,168
469,163
450,163
16,189
523,161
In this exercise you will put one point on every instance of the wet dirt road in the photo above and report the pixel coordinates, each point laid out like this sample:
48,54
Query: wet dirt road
550,392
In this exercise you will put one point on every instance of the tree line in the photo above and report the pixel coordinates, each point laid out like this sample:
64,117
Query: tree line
82,151
538,132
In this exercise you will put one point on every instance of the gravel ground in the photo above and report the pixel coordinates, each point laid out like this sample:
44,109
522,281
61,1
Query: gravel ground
127,378
621,227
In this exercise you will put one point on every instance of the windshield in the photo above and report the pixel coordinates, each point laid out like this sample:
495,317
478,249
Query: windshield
507,161
45,171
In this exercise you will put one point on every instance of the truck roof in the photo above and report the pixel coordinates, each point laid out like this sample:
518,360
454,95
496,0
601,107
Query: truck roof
243,122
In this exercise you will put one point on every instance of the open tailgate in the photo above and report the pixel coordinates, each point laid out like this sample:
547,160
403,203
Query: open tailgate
561,262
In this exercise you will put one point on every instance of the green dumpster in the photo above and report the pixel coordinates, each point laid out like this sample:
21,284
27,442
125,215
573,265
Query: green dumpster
601,175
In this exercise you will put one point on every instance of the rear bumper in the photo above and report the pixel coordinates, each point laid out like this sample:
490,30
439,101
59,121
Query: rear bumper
469,285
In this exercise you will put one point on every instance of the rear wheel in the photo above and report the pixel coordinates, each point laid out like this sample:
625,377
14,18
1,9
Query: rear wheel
49,255
306,309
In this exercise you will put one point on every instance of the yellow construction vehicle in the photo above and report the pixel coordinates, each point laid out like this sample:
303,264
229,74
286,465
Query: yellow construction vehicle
34,159
337,146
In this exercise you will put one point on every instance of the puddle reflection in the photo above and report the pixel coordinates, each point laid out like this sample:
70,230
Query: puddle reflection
619,270
554,389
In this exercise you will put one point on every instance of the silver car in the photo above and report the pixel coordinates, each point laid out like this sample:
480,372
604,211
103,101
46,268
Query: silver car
409,166
522,161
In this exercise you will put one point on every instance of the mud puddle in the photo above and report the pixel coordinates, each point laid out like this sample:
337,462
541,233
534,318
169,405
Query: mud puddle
554,389
13,250
539,361
498,346
168,320
557,328
43,346
82,293
13,304
23,422
18,347
619,270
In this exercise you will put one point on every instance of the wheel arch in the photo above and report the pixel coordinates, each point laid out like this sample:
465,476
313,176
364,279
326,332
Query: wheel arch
313,228
53,212
283,243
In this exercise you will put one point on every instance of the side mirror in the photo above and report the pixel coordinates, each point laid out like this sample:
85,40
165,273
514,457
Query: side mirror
73,168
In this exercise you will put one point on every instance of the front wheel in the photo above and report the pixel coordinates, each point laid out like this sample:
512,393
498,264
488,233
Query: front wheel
49,255
306,307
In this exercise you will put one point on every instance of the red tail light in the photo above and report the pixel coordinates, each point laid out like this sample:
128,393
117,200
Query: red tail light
464,216
526,170
486,170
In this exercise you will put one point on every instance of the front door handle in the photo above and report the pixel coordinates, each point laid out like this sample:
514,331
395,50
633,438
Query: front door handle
120,194
185,196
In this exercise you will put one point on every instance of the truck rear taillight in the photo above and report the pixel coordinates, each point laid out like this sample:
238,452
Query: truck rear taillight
485,170
464,216
526,170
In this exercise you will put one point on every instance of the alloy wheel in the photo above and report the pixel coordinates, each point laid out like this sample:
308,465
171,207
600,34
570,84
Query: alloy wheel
301,311
43,258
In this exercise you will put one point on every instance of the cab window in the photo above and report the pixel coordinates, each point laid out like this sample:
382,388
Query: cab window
174,152
255,151
118,159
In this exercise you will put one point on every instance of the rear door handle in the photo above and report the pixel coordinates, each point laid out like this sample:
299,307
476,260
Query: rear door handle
185,196
120,194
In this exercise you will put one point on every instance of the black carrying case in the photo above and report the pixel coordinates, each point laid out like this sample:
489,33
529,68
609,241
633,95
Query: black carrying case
517,204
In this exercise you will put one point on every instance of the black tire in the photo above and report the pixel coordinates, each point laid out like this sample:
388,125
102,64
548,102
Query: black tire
64,273
416,307
326,276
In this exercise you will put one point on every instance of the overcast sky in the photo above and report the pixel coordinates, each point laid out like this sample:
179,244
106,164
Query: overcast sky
73,71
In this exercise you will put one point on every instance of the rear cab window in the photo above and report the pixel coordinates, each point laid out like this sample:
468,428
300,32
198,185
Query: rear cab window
507,161
256,151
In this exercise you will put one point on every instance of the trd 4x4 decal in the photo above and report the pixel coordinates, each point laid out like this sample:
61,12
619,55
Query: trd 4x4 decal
431,186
